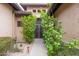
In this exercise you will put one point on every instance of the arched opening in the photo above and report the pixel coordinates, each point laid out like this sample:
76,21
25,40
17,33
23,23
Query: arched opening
38,28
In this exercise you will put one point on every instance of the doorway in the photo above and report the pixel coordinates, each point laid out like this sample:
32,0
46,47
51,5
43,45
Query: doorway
38,28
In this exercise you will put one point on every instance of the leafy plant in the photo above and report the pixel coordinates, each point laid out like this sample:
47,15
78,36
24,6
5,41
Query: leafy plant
28,25
52,33
69,49
73,44
5,44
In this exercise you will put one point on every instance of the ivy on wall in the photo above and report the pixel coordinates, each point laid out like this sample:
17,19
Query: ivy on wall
52,33
28,25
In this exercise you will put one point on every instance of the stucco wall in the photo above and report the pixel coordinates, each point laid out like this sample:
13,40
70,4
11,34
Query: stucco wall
6,21
68,14
19,34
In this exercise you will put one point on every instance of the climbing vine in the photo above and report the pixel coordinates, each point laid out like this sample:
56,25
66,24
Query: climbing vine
52,33
28,25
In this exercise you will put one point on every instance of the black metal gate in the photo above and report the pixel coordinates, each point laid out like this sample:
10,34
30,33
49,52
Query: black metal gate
38,28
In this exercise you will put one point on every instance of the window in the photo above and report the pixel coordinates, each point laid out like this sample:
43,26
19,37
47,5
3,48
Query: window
44,10
18,23
34,11
39,11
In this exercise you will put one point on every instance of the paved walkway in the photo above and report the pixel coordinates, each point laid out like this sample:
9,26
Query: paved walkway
38,48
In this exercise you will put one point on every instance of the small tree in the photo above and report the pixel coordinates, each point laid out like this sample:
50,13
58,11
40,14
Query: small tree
28,25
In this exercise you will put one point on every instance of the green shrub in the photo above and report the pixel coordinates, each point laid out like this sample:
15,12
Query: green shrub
69,48
68,52
52,33
28,25
5,44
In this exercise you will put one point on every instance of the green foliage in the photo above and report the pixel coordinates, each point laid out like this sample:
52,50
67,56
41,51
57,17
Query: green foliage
28,25
69,48
69,52
5,44
73,44
52,33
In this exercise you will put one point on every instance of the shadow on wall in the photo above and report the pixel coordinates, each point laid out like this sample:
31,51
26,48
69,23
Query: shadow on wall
62,8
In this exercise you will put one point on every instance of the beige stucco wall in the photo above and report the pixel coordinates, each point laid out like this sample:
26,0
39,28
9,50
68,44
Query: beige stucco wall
19,31
30,9
6,21
68,14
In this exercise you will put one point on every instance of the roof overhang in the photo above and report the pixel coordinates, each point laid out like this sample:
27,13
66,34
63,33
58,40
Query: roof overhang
21,13
19,10
24,5
17,6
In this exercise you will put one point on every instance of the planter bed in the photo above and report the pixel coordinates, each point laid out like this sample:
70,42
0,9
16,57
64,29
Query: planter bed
6,44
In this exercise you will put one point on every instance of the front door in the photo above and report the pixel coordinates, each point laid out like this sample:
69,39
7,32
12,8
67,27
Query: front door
38,28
